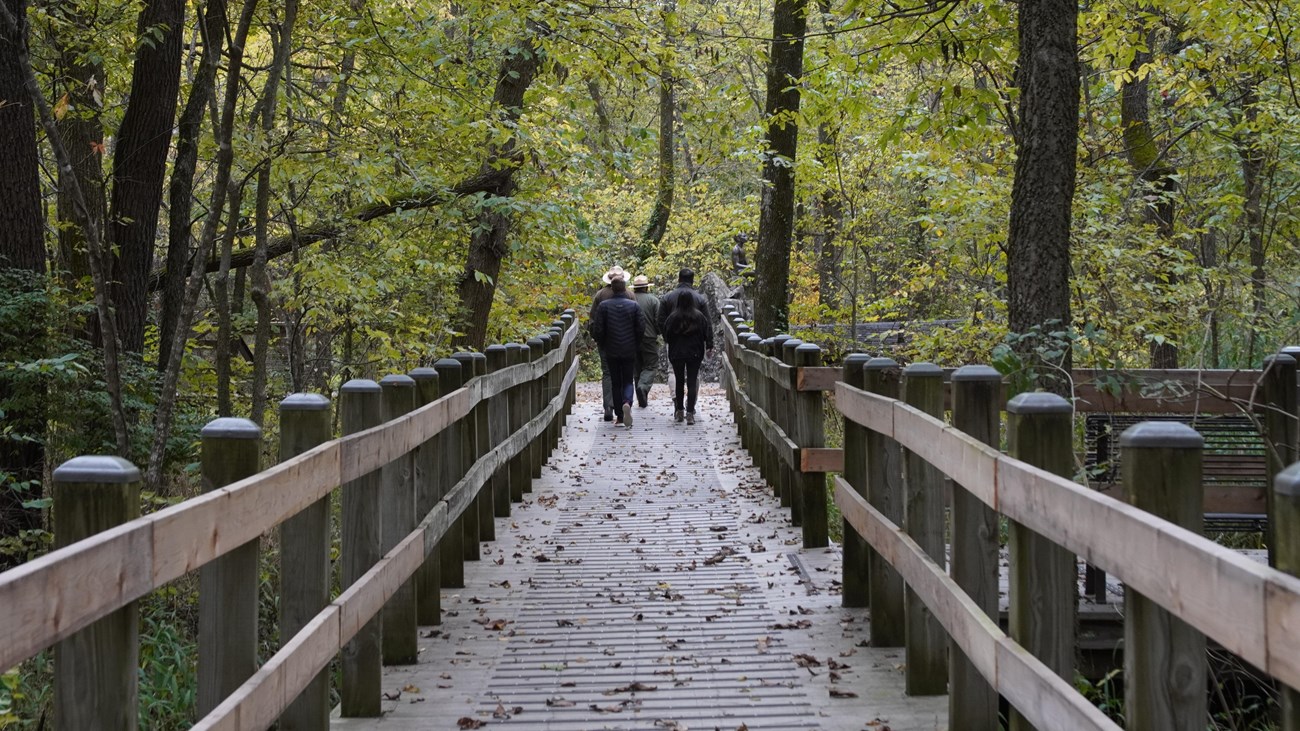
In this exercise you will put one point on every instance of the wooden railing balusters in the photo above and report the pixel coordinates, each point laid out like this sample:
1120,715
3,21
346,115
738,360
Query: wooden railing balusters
518,353
428,491
856,586
455,450
499,428
808,430
882,376
1277,412
469,450
362,408
536,455
923,513
400,633
1286,514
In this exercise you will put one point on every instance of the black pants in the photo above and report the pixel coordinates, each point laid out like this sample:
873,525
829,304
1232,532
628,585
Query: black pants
687,375
622,371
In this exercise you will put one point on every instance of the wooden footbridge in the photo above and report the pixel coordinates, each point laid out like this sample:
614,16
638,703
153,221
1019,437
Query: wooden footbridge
506,560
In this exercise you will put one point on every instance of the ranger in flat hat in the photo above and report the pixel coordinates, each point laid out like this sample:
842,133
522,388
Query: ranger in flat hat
647,362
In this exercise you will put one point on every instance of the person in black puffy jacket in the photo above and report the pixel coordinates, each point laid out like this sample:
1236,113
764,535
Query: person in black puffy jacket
687,330
618,326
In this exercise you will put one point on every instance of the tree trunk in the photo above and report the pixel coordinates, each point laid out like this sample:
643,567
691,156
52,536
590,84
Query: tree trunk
140,163
225,325
487,246
1038,240
828,215
776,212
1252,178
22,263
654,231
180,193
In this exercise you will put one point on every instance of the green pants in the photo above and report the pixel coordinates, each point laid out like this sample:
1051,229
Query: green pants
647,367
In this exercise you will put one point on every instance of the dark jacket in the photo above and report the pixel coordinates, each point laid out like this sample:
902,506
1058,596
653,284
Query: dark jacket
602,294
687,339
618,327
650,307
669,301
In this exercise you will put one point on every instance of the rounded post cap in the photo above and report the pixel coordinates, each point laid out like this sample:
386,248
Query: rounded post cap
1279,359
533,343
305,402
478,356
568,311
808,348
557,324
923,370
97,468
462,356
516,346
1161,435
424,373
359,385
1291,350
447,364
397,380
742,328
753,339
880,363
231,427
1038,402
976,373
496,348
1286,484
854,362
780,338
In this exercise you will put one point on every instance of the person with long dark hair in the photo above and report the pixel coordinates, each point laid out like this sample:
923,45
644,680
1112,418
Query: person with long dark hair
686,329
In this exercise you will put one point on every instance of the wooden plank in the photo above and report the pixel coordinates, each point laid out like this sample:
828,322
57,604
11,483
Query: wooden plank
821,459
49,598
872,411
1282,626
970,462
921,433
817,378
1045,700
373,448
367,595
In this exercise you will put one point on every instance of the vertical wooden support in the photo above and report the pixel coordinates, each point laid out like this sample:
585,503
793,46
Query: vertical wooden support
487,525
976,398
923,521
882,376
776,476
536,349
361,407
400,641
451,549
554,376
793,479
518,353
1277,412
96,670
568,318
1164,657
810,430
1044,589
499,431
305,555
855,591
749,383
1286,516
231,451
468,428
428,578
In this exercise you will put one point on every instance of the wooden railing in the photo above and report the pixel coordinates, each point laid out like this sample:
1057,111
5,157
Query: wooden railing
1180,588
426,463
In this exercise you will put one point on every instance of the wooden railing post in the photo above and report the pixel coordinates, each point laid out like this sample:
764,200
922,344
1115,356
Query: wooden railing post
789,414
519,475
468,428
451,549
810,431
231,451
882,376
487,524
1044,591
499,430
777,474
1164,657
536,349
1286,516
749,382
923,521
305,555
568,318
428,578
397,508
1278,418
976,397
361,406
551,437
96,670
855,590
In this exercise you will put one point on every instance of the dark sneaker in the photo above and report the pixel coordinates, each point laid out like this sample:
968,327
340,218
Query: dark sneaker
609,415
627,415
678,415
690,417
642,398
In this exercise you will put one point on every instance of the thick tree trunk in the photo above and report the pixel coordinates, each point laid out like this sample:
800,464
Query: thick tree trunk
487,247
1038,241
657,226
1252,178
776,213
22,260
140,163
828,219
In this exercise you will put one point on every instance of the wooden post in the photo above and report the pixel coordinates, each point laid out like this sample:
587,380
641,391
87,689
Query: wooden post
451,548
776,398
1044,590
519,416
499,430
397,510
1277,412
231,451
810,430
536,349
428,578
855,591
923,521
568,318
305,555
487,525
1286,516
1164,657
789,415
882,376
977,393
551,437
96,670
468,428
749,383
361,407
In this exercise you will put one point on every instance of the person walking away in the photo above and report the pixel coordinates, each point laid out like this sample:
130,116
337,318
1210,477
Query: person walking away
604,293
618,327
647,361
686,329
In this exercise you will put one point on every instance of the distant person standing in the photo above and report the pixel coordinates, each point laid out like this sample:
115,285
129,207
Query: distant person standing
647,361
689,333
739,262
604,293
618,327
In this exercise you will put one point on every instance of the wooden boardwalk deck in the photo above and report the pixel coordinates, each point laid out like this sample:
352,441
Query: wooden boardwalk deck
650,581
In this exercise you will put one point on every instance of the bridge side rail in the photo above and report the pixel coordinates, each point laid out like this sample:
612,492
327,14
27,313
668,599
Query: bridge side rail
80,597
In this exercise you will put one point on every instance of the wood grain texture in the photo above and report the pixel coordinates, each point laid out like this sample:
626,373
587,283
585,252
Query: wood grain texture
871,410
817,378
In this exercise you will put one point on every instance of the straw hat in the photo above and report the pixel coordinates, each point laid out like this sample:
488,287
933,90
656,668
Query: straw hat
641,281
615,272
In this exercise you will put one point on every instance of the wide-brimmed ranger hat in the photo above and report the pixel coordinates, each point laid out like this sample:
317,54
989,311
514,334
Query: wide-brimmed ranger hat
641,281
615,272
